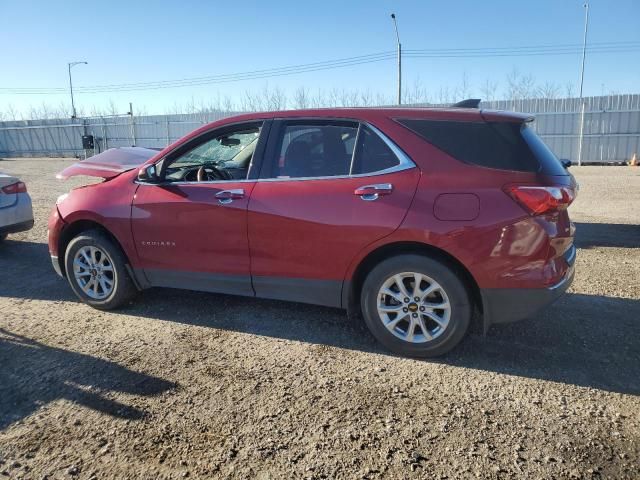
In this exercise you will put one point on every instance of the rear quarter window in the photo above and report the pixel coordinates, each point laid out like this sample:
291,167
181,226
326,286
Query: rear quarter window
549,163
499,145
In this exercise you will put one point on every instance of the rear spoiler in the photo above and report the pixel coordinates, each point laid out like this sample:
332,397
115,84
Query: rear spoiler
468,103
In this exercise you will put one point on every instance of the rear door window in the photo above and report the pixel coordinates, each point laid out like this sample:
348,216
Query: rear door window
373,154
313,148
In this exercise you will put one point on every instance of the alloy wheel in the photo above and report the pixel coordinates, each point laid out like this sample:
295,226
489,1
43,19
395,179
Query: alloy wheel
414,307
93,272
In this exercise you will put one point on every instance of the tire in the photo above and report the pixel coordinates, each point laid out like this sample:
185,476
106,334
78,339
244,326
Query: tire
445,327
112,286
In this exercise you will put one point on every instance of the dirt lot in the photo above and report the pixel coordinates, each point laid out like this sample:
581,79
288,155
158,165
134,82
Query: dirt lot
184,384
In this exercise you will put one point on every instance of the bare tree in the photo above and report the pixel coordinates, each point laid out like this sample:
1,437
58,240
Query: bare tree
464,89
348,98
333,98
443,95
141,110
548,90
275,98
520,86
416,94
319,100
227,104
301,98
190,106
488,90
250,102
12,113
366,98
382,99
568,89
112,109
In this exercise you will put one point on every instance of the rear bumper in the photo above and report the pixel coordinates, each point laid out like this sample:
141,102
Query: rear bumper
503,305
17,217
16,227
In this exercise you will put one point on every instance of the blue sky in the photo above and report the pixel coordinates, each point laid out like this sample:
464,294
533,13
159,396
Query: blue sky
136,41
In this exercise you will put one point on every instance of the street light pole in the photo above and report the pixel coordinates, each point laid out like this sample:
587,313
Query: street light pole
70,65
395,24
584,54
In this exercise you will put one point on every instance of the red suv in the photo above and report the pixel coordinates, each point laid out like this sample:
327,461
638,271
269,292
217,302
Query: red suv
419,219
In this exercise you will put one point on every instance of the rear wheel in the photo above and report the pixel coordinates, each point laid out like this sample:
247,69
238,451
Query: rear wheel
416,306
96,271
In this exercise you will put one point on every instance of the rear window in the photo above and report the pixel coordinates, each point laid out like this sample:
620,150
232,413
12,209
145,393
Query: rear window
501,145
549,163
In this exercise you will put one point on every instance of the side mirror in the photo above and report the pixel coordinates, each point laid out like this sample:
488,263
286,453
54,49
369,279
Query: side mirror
566,163
148,174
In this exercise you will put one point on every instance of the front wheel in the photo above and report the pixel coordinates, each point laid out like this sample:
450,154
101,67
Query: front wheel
416,306
96,270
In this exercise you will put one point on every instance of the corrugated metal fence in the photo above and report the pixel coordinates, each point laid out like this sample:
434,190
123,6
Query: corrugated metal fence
611,129
63,137
611,125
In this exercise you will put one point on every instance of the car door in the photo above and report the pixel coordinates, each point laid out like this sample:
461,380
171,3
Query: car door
328,188
190,229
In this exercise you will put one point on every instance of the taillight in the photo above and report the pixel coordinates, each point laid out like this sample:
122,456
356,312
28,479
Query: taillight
18,187
538,200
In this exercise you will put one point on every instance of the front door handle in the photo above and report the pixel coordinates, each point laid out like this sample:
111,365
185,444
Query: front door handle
373,192
228,196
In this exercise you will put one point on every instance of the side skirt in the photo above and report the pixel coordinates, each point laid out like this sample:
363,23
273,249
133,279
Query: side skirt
304,290
200,281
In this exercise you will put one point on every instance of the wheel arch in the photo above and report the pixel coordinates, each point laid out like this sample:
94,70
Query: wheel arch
352,288
74,229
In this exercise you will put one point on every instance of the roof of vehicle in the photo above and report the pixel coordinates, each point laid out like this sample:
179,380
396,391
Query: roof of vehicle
432,113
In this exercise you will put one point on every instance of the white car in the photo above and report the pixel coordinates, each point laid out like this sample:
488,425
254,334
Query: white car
16,214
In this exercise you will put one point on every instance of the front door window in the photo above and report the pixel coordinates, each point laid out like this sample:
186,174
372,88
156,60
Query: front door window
226,156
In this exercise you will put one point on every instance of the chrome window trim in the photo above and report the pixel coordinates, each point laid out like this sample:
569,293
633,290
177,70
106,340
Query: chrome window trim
405,163
397,168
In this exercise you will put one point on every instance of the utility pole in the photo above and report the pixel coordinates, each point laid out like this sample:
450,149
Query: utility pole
582,102
73,107
395,24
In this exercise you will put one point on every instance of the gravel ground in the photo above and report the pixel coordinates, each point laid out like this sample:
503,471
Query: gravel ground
184,384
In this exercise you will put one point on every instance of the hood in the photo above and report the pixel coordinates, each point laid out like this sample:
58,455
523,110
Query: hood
109,163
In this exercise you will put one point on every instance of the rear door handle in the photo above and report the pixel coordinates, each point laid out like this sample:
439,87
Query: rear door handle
228,196
373,192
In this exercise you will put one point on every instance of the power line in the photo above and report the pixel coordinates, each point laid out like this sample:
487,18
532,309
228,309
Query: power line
522,54
480,52
271,71
536,47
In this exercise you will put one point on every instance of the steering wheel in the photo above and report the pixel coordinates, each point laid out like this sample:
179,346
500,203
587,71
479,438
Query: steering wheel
209,172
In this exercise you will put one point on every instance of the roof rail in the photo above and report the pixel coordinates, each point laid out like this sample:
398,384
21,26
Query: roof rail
468,103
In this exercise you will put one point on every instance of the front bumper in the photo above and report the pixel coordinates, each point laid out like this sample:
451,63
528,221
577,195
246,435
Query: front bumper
504,305
56,265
